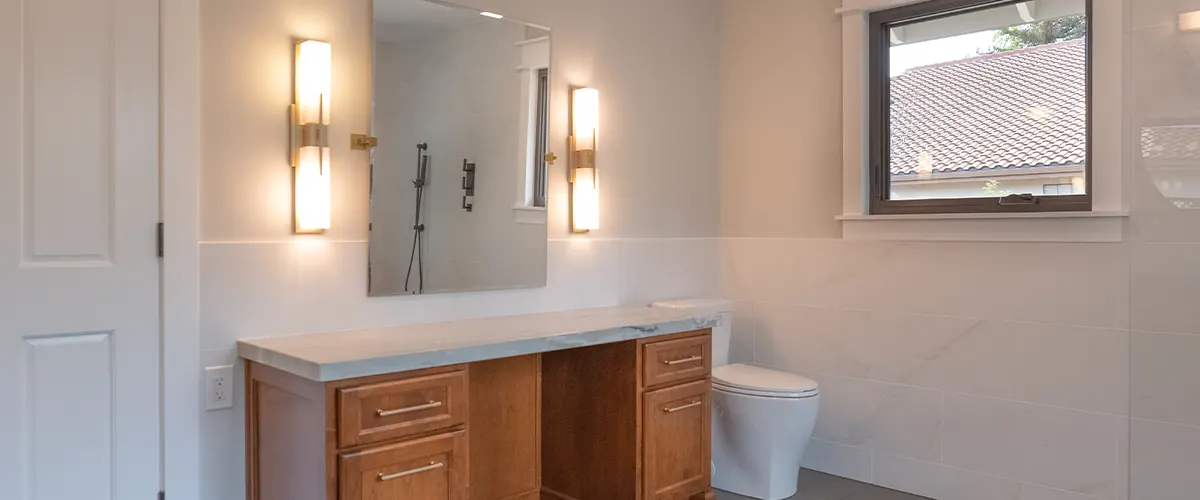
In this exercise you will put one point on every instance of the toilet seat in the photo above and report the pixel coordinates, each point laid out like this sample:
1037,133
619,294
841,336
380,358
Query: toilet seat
752,380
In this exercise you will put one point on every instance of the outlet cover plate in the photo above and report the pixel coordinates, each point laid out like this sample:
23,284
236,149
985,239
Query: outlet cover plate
218,387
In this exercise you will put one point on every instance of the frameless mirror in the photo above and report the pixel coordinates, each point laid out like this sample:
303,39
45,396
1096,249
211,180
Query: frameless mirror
458,175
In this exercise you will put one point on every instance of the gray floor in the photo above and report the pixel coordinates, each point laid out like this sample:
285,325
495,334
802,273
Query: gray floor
818,486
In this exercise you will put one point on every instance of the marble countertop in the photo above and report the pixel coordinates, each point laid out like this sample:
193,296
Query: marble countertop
325,357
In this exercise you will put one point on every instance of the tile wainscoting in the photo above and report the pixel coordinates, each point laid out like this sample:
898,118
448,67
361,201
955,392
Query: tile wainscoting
957,371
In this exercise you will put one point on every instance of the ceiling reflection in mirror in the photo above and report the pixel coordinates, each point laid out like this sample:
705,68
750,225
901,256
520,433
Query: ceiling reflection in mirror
458,177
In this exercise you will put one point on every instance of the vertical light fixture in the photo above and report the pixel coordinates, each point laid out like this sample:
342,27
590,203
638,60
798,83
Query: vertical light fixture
1189,21
585,193
310,136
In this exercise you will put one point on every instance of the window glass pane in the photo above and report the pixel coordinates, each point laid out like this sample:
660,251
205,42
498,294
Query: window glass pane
989,103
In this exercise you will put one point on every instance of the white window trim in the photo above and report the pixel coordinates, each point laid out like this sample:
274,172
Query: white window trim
1111,148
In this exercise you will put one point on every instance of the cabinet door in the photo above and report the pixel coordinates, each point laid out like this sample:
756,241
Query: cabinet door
432,468
676,447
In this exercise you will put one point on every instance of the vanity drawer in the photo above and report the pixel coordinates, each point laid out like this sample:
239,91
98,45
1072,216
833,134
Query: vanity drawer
398,408
432,468
676,360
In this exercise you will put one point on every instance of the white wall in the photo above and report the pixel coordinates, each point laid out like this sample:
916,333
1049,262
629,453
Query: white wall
967,370
959,371
1165,259
653,64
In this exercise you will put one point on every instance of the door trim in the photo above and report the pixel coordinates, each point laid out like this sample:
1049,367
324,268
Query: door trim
179,84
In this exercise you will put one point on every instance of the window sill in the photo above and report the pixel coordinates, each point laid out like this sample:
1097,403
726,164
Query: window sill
529,215
1094,227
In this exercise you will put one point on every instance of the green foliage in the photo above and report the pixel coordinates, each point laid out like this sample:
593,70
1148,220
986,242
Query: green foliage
1038,33
992,188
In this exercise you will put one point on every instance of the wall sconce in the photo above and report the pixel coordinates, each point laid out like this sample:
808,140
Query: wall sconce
310,137
1189,21
585,194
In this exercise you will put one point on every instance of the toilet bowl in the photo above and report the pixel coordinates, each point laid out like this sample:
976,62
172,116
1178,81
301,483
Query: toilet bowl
762,419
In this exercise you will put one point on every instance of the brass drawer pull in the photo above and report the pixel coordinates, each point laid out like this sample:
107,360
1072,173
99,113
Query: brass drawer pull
418,470
674,362
426,406
693,404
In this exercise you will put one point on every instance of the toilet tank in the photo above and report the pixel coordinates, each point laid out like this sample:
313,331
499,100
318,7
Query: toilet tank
721,332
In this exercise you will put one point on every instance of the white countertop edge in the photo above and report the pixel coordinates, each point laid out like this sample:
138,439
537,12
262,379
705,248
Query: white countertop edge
467,354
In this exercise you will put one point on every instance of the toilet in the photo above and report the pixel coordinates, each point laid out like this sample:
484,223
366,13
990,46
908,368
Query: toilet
761,418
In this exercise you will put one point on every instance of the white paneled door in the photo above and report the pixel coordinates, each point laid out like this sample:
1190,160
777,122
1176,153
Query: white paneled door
79,275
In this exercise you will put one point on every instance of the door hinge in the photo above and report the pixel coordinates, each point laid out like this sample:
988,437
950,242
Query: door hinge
159,252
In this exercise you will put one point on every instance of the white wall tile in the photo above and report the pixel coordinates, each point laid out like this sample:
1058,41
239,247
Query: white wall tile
663,269
741,345
1034,492
983,435
1166,377
901,420
907,422
264,289
1003,281
809,340
940,482
1006,281
847,405
1163,79
1074,367
838,459
1070,450
1123,458
223,447
1157,12
1165,280
1165,459
1155,188
955,354
735,275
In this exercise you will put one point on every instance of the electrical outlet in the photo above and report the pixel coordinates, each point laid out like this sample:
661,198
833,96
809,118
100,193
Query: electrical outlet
218,387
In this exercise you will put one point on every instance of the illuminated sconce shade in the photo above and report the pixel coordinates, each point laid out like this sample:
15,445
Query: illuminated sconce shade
585,192
1190,21
310,136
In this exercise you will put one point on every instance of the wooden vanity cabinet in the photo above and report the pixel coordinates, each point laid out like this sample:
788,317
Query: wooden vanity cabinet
620,421
432,468
629,420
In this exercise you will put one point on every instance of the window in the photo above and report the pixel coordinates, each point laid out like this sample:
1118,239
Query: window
980,106
542,131
1058,189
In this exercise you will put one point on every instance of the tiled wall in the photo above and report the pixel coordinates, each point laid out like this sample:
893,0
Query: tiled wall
1014,371
1165,259
959,371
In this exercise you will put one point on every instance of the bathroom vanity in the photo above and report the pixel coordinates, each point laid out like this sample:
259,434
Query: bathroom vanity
604,404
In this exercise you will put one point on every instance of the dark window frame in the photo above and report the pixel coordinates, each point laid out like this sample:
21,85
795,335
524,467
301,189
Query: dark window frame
879,109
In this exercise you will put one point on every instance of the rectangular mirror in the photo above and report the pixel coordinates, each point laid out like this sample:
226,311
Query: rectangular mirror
458,176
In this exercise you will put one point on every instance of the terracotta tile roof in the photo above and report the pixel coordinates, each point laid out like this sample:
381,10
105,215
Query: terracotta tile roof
1019,109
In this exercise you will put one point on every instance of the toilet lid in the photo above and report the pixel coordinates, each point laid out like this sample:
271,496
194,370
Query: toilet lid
763,380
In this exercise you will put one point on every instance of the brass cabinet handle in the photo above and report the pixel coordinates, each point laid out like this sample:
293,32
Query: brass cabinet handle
426,406
418,470
693,404
674,362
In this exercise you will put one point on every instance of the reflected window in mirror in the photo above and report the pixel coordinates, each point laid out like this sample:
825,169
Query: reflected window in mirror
540,166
